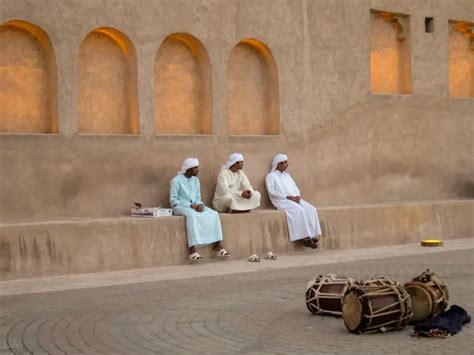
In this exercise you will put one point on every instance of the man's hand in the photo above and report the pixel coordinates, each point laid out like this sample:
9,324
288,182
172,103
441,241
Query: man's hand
294,198
197,208
247,194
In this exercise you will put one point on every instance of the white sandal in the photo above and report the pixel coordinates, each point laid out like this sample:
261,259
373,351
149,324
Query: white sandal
195,257
223,252
254,258
270,256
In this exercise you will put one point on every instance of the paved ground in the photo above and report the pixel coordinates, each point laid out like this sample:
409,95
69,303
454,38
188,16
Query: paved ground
249,312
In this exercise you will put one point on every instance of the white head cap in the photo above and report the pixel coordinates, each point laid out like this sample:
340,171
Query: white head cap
278,159
188,164
233,158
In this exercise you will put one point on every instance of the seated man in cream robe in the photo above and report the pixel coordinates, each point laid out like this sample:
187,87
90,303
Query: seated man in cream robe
234,193
203,226
302,217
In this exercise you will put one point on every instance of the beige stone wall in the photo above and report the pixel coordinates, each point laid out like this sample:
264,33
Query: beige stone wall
346,145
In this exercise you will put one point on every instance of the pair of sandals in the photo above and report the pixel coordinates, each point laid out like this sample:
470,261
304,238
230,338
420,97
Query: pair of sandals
255,258
196,256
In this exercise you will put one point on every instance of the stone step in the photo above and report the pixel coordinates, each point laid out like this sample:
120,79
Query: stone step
82,245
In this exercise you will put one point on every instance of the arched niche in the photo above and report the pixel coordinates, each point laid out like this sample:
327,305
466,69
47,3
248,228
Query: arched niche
107,84
461,59
390,54
252,82
28,80
183,87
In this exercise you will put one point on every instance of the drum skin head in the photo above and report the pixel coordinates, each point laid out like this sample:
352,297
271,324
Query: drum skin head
352,311
421,302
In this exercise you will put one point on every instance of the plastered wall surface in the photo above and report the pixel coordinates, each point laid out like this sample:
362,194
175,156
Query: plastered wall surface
461,65
102,87
346,145
25,74
252,90
183,87
390,55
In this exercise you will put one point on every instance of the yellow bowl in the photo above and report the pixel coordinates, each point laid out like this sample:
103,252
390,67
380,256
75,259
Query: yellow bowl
431,243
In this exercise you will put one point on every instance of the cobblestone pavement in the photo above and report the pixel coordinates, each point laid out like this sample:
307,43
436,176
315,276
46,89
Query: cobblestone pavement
256,312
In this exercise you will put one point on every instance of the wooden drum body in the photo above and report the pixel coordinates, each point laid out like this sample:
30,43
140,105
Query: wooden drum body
324,294
429,296
377,305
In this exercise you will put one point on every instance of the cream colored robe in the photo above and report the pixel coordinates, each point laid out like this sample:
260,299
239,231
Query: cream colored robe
229,192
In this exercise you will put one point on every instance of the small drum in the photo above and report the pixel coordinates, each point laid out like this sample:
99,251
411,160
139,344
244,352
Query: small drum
429,296
324,294
377,305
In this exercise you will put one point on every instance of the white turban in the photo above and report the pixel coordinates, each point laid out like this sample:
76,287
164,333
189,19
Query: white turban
233,158
278,159
188,164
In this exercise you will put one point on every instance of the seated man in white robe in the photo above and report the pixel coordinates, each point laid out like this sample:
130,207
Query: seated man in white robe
234,193
302,217
203,226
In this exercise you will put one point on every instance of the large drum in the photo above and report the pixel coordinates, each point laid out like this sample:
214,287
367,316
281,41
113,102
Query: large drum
429,296
324,294
377,305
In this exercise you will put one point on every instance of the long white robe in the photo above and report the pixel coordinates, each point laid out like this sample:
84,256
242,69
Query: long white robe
202,228
302,217
229,190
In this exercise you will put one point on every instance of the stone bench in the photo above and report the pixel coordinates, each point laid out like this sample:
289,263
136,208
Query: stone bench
349,227
82,245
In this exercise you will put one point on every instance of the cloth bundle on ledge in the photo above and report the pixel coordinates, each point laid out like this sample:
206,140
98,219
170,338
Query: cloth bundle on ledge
444,324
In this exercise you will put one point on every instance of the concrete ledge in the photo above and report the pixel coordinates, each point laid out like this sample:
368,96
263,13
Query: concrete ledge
93,245
390,224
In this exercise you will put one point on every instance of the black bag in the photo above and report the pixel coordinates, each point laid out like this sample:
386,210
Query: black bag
445,324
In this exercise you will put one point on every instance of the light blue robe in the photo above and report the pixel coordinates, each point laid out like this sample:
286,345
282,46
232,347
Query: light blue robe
202,228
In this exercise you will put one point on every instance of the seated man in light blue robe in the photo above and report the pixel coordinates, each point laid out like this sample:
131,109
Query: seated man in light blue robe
203,226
